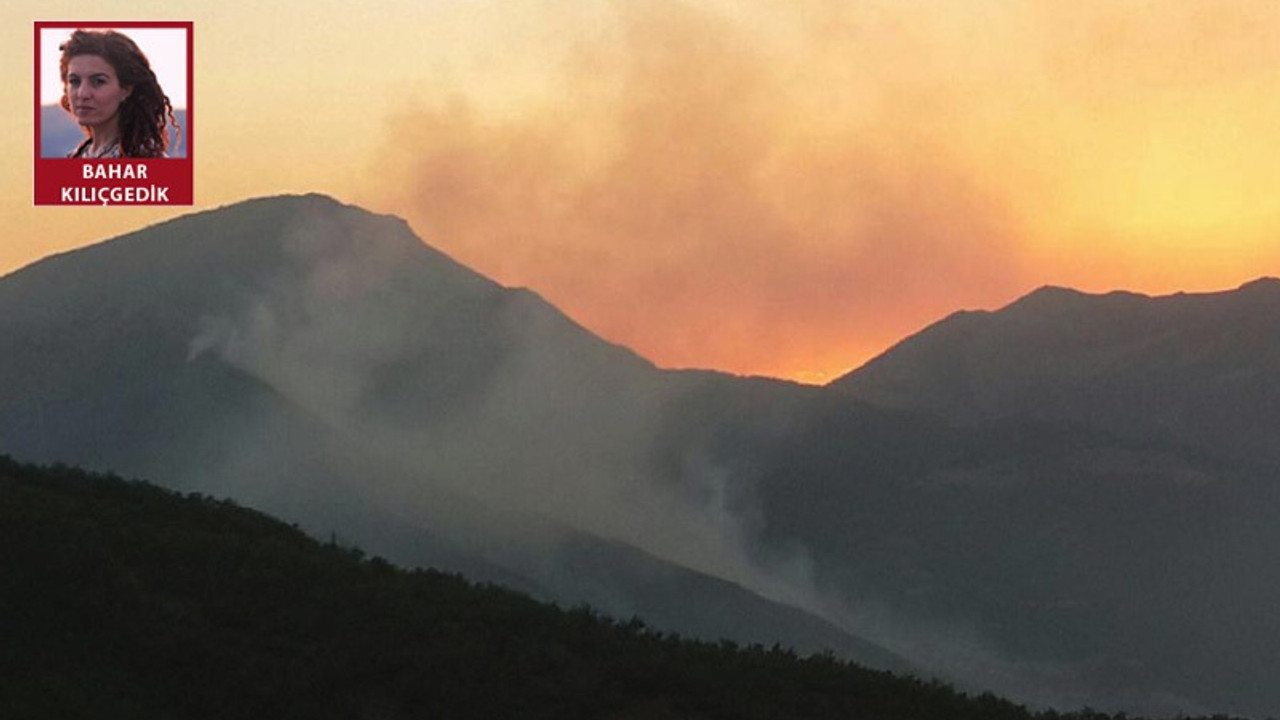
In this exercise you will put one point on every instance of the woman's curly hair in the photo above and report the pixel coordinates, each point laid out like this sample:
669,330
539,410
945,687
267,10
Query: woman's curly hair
146,113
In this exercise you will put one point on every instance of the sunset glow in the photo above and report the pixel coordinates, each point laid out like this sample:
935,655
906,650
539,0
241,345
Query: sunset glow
766,187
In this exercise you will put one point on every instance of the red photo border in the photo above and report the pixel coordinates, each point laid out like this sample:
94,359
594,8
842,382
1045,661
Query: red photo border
168,181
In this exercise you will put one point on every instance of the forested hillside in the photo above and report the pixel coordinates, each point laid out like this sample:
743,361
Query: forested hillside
121,599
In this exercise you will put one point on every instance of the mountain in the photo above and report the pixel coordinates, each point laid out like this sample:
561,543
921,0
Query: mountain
1129,507
1076,554
320,362
120,599
1199,369
323,364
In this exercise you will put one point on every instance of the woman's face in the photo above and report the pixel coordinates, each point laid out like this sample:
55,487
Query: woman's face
93,90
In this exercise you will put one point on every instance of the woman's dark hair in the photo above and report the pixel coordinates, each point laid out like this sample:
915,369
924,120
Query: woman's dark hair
146,112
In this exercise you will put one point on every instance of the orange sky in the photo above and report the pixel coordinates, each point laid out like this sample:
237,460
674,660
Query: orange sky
769,186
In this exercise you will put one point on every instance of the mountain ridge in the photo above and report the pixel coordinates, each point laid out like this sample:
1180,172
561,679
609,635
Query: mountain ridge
1181,358
276,349
1047,499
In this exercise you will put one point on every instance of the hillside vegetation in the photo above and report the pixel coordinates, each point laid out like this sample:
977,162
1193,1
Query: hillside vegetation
122,599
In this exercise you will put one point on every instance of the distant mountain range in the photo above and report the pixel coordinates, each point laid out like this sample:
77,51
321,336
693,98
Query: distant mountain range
1070,500
1196,369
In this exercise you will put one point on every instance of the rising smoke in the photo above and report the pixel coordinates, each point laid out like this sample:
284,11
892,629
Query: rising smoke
483,418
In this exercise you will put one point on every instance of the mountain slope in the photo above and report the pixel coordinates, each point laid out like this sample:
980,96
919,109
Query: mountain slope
319,362
120,599
1135,515
1200,369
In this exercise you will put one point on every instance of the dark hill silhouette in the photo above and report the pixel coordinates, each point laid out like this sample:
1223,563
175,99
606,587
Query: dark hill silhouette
1168,527
1200,369
120,599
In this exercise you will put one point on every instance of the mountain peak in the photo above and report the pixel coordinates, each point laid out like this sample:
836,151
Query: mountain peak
1266,283
308,204
1047,296
1053,291
1050,300
1067,352
314,210
253,241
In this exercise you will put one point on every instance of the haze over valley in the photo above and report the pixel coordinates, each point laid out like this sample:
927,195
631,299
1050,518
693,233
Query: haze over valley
1067,500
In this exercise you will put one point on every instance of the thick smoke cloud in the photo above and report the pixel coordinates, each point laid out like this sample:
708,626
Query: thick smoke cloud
688,192
781,187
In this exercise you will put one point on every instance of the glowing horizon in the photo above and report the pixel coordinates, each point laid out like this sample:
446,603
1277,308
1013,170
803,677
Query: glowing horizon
766,188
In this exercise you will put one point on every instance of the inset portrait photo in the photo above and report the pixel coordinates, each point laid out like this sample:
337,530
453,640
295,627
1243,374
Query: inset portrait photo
113,114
